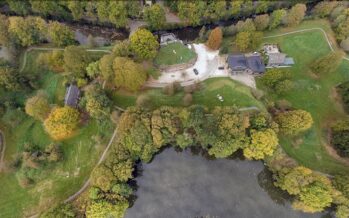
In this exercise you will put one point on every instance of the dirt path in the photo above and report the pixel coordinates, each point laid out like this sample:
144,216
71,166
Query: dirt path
3,148
305,30
51,49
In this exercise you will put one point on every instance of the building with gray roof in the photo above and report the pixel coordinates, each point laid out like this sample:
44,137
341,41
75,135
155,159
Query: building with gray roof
72,96
240,63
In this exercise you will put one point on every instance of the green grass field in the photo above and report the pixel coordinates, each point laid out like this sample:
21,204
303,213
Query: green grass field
59,180
166,56
313,95
233,93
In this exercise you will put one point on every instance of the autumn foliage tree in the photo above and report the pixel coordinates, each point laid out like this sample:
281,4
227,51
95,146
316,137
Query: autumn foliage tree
215,39
144,44
62,122
294,122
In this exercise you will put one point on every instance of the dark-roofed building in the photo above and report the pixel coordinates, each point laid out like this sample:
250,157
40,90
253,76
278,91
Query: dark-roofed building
72,96
252,63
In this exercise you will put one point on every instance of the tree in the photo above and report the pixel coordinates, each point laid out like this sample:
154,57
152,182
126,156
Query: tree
144,44
224,148
216,10
8,78
295,15
345,44
294,122
117,13
215,39
19,7
133,9
248,40
122,49
294,180
314,198
324,8
106,209
97,103
76,59
245,26
276,18
340,137
191,11
262,7
93,69
236,7
128,74
155,16
60,34
4,31
53,60
102,178
60,211
327,64
261,22
342,211
263,143
342,30
76,8
38,106
106,66
62,122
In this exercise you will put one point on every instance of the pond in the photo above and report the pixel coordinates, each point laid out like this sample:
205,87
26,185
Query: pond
180,184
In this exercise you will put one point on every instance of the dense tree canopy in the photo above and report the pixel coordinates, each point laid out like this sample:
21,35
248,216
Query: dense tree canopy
276,18
248,40
262,22
76,59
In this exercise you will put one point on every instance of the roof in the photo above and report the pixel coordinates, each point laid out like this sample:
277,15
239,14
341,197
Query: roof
276,58
242,62
255,63
271,48
72,96
289,61
237,62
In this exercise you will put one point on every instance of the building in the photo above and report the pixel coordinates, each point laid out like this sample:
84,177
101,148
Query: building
246,63
167,38
72,96
276,58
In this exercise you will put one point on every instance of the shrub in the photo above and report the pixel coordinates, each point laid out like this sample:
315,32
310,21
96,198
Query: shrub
187,99
327,64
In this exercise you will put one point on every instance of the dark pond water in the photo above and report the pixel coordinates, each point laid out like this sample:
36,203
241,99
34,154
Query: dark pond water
182,185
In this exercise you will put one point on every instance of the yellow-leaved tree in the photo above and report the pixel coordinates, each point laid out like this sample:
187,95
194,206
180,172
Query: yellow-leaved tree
263,143
62,122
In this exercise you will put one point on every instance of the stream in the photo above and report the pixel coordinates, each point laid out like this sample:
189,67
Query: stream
180,184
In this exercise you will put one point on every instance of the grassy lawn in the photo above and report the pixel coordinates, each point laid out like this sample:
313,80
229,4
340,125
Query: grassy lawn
166,56
313,95
233,93
56,181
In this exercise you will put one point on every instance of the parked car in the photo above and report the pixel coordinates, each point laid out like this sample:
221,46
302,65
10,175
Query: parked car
221,68
196,71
